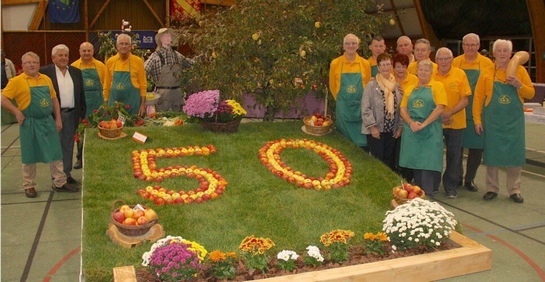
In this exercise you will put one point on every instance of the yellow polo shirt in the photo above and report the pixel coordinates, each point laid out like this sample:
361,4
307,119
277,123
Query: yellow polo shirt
138,74
18,88
95,64
457,86
437,90
342,65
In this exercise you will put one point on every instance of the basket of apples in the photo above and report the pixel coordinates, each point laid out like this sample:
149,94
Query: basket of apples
133,220
110,129
407,192
317,124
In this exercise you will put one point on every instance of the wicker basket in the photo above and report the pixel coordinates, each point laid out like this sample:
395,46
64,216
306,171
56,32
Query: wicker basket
231,126
317,130
402,200
130,230
109,132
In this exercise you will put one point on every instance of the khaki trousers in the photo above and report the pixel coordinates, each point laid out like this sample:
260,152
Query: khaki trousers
57,174
513,179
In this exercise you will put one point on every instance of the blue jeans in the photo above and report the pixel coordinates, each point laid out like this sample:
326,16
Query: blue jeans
452,173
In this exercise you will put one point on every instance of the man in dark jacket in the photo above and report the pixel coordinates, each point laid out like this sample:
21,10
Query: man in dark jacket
68,83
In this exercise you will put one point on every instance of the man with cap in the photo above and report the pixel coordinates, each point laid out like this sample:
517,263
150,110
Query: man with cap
164,67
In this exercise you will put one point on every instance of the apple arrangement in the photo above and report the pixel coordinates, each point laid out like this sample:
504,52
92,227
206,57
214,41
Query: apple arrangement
407,192
340,169
135,216
319,120
112,124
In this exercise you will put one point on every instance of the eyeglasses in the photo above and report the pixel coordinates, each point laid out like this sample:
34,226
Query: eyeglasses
351,43
470,45
385,64
443,59
31,63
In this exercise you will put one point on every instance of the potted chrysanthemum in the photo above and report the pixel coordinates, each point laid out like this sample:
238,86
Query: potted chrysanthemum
212,112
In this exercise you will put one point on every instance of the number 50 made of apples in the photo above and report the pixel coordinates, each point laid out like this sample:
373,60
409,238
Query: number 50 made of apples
211,183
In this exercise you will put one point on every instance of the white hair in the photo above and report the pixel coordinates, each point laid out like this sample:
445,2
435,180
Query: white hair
123,35
351,35
502,41
471,35
60,47
443,49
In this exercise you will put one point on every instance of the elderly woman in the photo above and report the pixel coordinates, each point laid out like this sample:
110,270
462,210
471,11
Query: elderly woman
380,112
501,95
348,75
422,139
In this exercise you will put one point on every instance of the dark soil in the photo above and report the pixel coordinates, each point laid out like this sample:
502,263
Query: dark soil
356,257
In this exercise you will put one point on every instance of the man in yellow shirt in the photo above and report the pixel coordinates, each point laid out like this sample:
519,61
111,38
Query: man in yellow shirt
125,79
93,72
422,51
473,64
453,117
377,47
348,75
40,142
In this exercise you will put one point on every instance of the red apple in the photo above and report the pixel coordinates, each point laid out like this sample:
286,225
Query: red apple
119,216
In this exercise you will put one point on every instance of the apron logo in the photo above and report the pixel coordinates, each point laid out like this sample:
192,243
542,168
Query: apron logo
453,85
504,99
418,104
351,89
120,86
89,82
44,103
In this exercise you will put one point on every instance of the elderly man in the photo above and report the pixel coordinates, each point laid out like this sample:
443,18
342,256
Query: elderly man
473,64
453,117
36,102
125,79
164,67
93,72
405,47
499,116
348,75
422,51
68,84
377,47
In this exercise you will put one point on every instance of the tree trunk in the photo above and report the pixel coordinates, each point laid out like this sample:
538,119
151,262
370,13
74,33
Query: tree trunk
269,113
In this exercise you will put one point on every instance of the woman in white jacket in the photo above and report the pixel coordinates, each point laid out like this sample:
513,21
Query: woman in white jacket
380,112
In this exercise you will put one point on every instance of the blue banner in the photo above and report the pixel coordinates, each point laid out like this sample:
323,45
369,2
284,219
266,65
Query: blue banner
63,11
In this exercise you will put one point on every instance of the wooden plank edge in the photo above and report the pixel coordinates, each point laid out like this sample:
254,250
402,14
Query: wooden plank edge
124,274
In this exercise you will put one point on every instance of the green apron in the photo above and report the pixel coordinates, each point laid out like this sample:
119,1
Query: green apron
470,139
348,108
93,90
123,91
38,134
374,70
503,124
423,149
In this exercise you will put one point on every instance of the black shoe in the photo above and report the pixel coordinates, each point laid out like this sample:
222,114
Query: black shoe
517,198
78,165
470,186
72,181
31,193
67,187
489,196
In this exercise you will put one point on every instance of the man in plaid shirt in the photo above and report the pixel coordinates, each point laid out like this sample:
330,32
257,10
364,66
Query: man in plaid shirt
164,67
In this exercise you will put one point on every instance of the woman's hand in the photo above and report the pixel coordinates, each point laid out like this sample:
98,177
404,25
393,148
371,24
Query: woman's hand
479,129
416,126
513,80
375,132
398,132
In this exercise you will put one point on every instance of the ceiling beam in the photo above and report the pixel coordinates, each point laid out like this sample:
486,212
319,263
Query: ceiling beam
427,30
536,10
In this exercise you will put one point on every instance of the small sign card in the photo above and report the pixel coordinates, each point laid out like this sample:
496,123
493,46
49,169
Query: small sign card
139,137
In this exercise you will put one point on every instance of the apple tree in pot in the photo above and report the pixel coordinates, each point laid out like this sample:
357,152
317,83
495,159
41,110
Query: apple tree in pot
278,50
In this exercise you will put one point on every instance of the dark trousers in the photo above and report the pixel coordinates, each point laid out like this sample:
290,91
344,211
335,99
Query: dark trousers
383,148
66,135
452,173
406,173
428,180
474,157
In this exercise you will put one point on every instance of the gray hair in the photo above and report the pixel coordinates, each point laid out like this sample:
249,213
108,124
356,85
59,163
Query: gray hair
60,47
123,35
502,41
30,54
425,63
443,49
404,37
423,41
351,35
471,35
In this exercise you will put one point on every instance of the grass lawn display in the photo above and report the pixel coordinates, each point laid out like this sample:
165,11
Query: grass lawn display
255,200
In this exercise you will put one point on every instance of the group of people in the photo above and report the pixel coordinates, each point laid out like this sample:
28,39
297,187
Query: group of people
49,102
406,109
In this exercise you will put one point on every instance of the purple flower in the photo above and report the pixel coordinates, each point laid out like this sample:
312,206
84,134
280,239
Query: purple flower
174,260
202,104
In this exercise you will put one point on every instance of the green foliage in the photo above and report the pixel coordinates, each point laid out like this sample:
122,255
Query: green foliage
107,44
255,201
278,50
